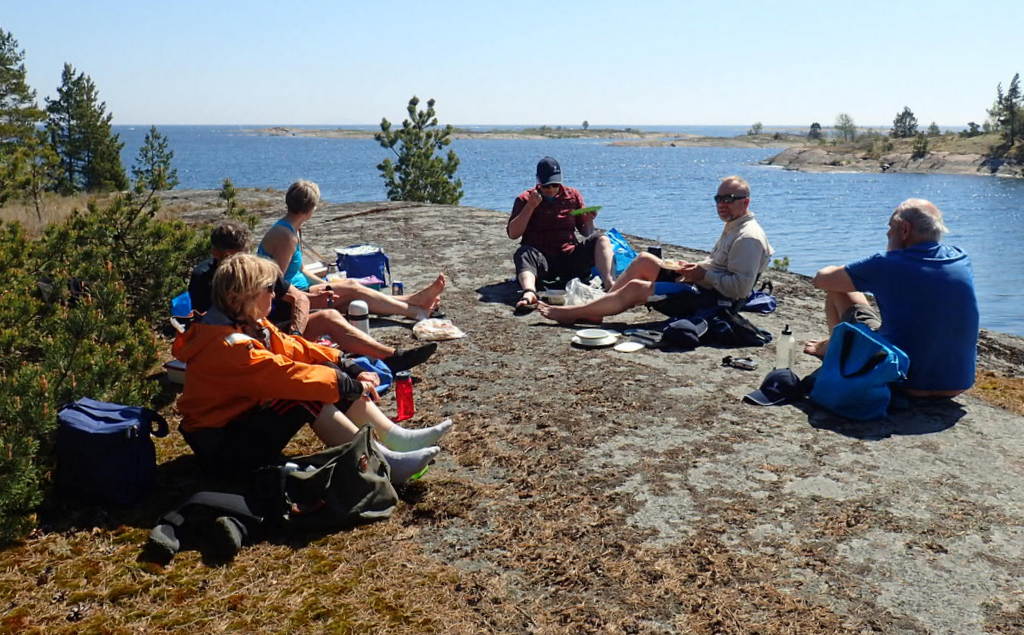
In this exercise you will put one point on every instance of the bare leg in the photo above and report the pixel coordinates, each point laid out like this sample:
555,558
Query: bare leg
332,427
633,293
527,282
348,290
604,258
644,267
429,297
349,338
836,304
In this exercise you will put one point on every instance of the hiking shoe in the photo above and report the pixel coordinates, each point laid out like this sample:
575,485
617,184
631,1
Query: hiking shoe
163,543
225,537
404,359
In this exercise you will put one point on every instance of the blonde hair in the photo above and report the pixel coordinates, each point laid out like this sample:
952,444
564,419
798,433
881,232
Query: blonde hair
739,181
302,197
238,282
924,217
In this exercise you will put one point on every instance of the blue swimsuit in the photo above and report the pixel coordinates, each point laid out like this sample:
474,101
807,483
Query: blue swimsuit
293,273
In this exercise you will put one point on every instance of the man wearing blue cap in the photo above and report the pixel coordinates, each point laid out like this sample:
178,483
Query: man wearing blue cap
543,218
925,293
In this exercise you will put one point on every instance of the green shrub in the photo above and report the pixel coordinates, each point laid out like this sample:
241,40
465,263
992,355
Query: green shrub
780,264
77,316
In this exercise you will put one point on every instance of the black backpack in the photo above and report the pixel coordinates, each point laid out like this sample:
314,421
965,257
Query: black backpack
729,329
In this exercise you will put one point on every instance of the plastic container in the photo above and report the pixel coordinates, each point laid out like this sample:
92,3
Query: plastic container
359,315
785,349
403,396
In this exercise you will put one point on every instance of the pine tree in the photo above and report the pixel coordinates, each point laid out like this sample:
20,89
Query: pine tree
79,127
933,130
153,169
846,127
815,131
19,115
904,125
418,175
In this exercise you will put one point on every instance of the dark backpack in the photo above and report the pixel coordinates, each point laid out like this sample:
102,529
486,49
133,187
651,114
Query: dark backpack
729,329
105,452
336,488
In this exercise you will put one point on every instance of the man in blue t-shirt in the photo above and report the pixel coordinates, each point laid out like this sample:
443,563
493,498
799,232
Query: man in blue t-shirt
925,294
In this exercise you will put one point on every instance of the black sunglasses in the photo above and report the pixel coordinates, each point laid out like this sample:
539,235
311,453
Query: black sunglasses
728,198
549,186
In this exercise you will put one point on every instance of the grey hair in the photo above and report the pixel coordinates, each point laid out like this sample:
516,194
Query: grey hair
738,181
924,217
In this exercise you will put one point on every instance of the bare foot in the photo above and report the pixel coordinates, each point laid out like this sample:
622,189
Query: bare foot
566,314
429,297
816,348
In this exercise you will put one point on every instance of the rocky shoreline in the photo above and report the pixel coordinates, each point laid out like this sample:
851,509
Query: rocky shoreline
816,158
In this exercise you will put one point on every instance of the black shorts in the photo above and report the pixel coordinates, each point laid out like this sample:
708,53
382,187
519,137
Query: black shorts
252,440
562,266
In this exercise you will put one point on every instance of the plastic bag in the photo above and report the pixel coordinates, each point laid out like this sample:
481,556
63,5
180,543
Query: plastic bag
578,293
435,329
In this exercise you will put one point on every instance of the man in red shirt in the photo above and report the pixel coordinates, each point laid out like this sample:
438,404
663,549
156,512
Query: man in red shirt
542,216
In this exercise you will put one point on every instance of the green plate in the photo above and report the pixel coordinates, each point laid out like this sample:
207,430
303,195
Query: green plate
585,210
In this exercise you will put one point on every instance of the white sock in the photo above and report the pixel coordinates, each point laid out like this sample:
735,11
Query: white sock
406,439
406,464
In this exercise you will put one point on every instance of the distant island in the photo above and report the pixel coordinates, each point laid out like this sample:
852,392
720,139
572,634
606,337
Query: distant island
872,151
945,154
621,136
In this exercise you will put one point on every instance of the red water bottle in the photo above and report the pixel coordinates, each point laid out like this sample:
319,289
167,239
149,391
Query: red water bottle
403,396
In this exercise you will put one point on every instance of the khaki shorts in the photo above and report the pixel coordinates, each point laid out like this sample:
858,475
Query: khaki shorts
863,314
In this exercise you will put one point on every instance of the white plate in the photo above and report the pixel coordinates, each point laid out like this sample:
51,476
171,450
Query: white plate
628,347
595,334
596,343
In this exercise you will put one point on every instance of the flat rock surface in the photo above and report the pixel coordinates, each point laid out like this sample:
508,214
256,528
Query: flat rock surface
636,492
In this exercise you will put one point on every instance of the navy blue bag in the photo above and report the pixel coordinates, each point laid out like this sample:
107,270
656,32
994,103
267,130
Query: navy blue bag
854,380
105,451
360,261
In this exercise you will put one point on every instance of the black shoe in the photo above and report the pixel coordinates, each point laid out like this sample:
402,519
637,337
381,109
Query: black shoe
225,538
163,543
404,359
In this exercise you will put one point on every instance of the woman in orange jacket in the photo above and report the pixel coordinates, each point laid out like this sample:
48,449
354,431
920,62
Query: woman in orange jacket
249,388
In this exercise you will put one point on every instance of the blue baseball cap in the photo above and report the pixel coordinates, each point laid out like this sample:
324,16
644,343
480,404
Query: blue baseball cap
548,171
779,387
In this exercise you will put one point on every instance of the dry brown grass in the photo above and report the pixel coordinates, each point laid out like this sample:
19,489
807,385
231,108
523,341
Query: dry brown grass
1005,392
53,208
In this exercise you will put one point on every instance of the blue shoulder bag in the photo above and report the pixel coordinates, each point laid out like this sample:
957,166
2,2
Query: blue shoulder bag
105,452
854,380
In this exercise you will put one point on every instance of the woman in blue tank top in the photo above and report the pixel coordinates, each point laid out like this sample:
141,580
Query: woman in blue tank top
282,244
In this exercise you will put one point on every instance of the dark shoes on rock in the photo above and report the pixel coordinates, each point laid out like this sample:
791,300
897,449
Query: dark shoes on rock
404,359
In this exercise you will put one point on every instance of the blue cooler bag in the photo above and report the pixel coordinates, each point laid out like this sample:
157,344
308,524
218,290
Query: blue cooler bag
105,452
359,261
859,366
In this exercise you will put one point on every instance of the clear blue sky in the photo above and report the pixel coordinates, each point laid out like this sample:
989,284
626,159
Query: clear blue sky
527,62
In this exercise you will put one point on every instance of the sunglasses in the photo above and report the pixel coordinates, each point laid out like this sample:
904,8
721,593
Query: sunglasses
549,186
728,198
269,288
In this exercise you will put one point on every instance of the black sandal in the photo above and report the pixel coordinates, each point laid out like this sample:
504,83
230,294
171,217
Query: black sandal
526,307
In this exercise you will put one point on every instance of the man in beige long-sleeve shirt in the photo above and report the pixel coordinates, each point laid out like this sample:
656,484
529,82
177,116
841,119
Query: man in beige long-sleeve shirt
726,276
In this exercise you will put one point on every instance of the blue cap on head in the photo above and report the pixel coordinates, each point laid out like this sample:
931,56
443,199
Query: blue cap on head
548,171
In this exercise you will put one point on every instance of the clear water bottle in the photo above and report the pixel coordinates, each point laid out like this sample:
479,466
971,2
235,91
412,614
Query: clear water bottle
359,315
785,349
403,396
